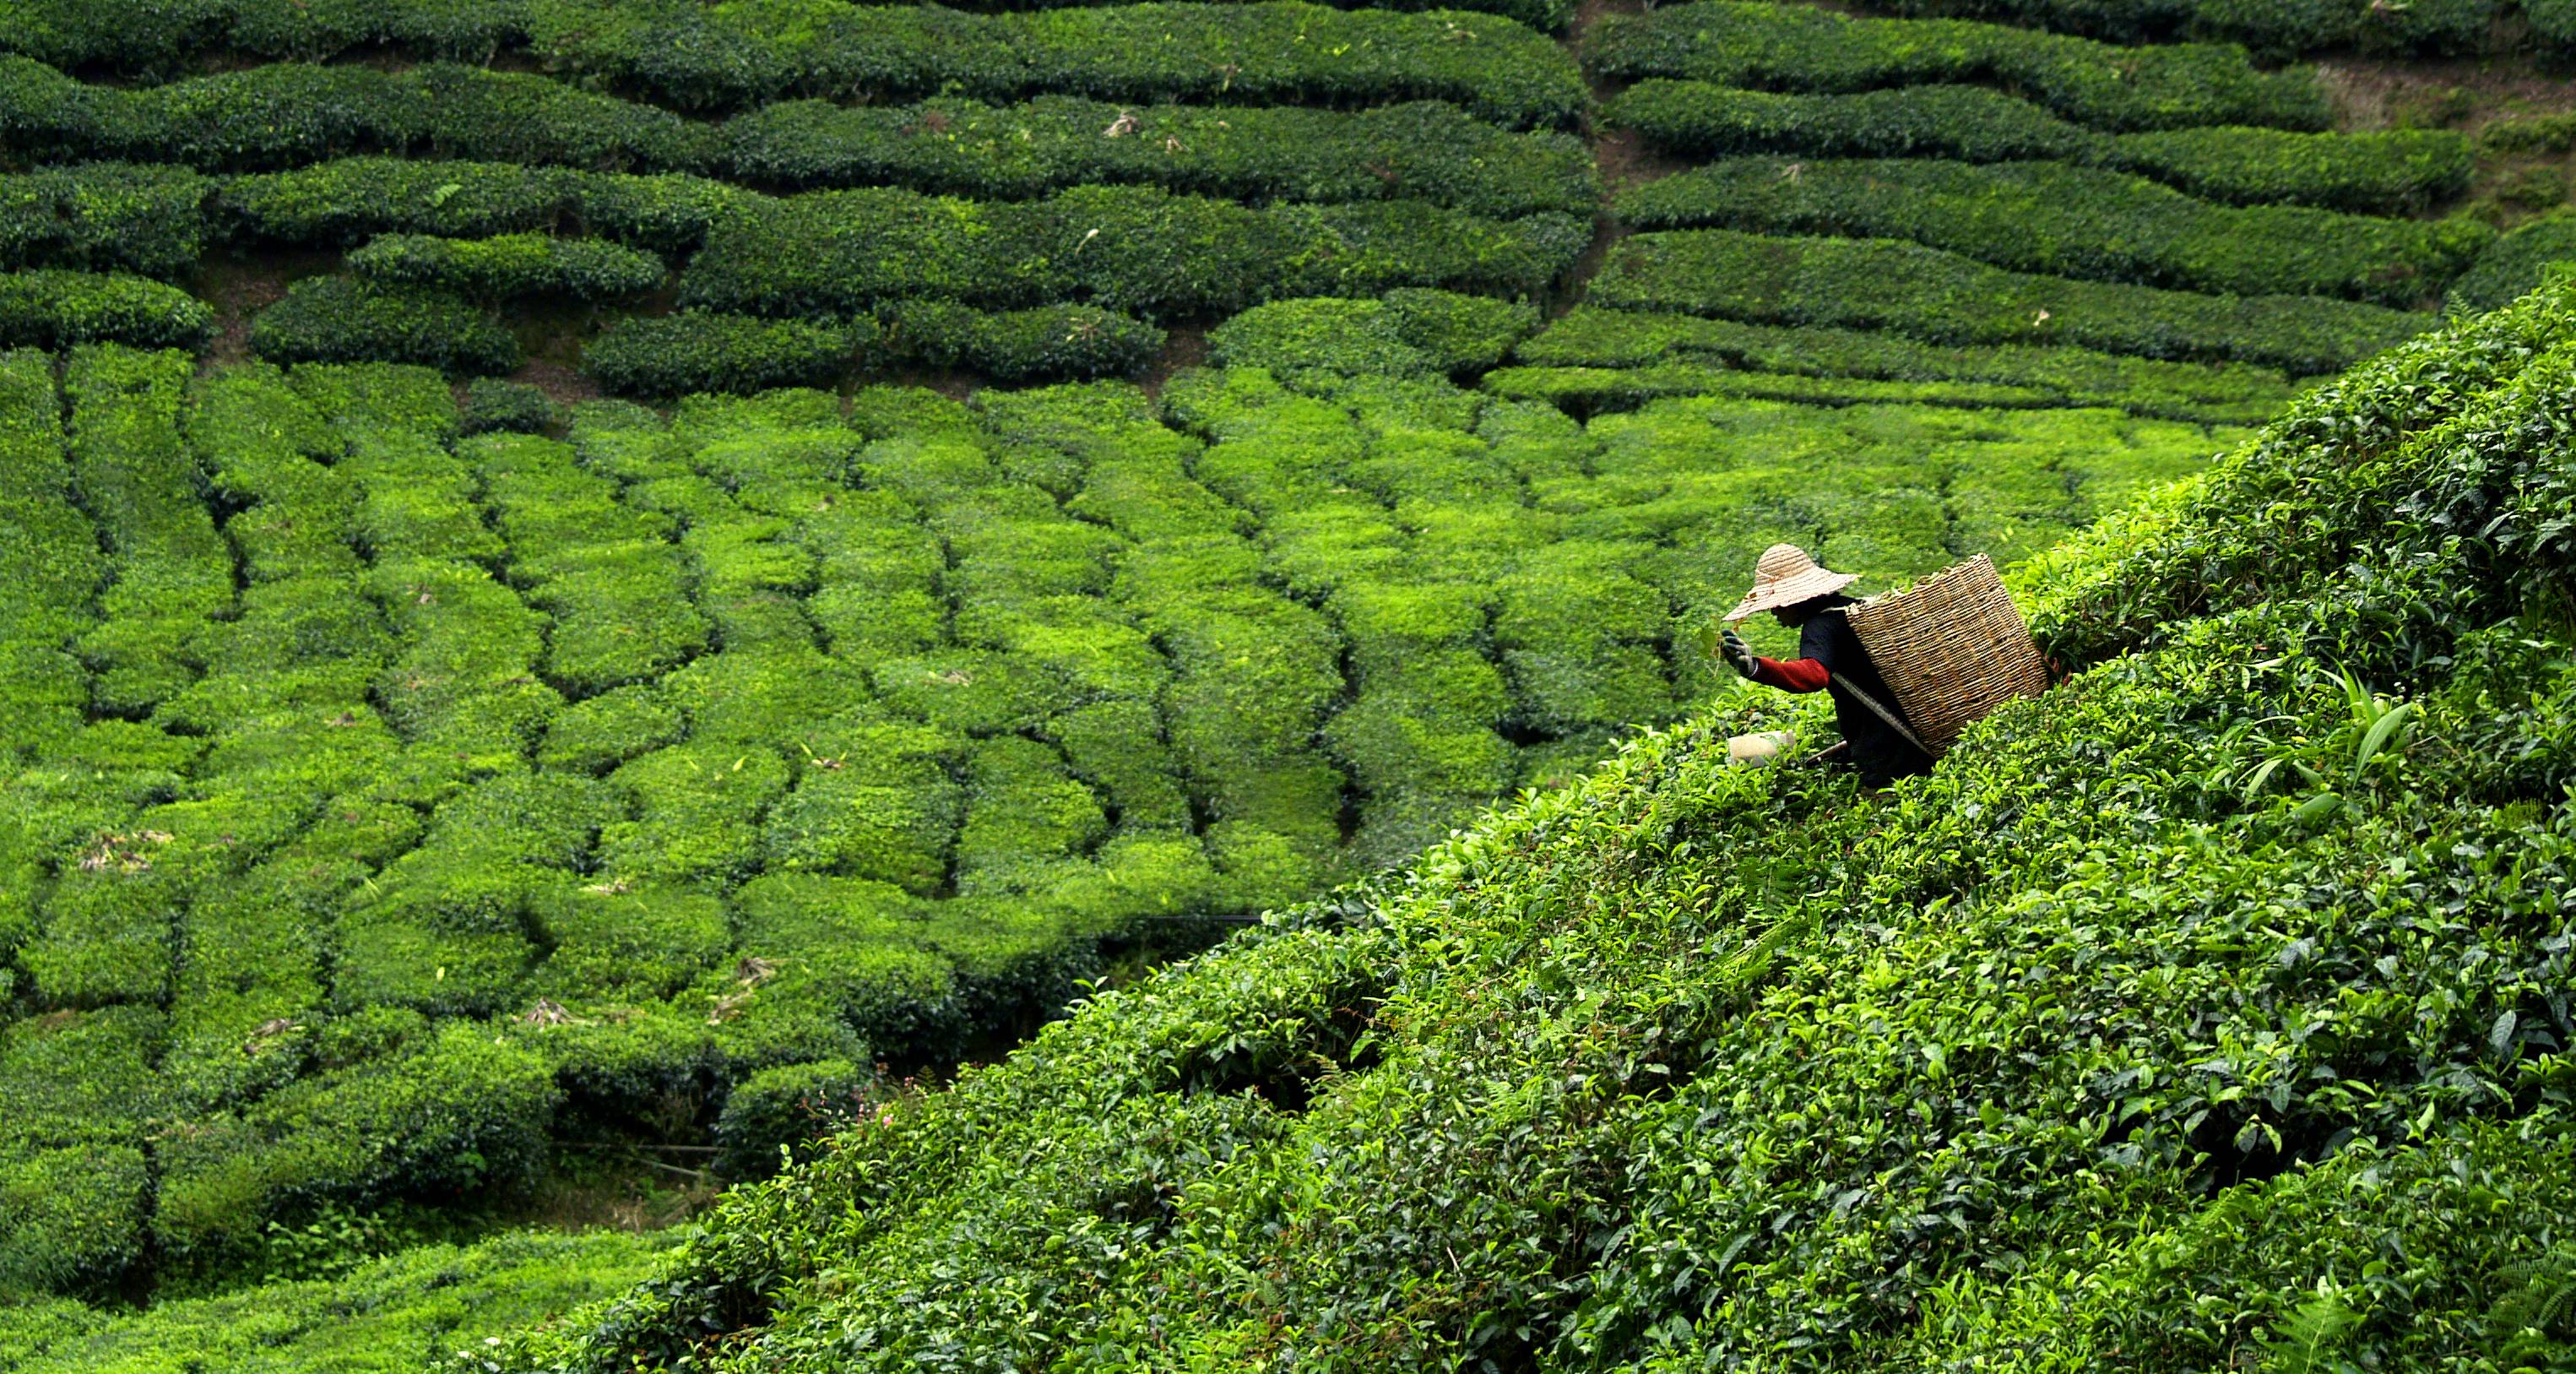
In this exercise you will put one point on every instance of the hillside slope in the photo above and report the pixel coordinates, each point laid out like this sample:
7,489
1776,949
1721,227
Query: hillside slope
2215,1004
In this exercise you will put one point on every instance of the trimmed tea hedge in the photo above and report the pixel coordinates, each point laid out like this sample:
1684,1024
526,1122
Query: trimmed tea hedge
2070,222
2280,28
508,265
1589,337
2515,264
1056,341
704,58
104,218
1133,249
1414,333
2392,170
62,309
346,202
706,350
1799,48
1944,298
289,114
341,319
1423,150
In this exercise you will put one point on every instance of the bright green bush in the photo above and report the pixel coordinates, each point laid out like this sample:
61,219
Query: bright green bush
2400,169
2069,222
1403,333
1284,53
492,404
1942,298
65,309
706,350
1796,48
341,319
509,265
2280,28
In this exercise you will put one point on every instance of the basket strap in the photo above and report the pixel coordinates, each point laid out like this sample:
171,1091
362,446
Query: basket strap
1885,714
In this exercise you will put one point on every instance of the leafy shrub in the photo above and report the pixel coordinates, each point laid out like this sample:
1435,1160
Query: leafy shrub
492,404
2401,169
2513,265
1125,248
340,319
706,350
1423,150
2070,222
1022,345
64,309
2278,28
1795,48
1403,333
509,265
1252,54
1942,298
2552,21
783,1113
104,218
346,201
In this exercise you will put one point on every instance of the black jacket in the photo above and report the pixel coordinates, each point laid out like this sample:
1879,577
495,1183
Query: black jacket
1881,754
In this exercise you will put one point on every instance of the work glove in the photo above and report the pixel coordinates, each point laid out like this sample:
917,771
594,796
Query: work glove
1737,653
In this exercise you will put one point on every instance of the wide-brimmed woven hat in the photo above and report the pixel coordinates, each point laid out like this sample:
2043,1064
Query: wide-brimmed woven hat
1784,576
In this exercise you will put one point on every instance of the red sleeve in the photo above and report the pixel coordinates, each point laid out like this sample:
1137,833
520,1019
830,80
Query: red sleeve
1796,675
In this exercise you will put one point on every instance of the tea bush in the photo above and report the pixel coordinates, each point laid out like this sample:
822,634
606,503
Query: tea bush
2514,265
1270,53
2258,1046
1050,342
1944,298
1796,48
51,309
508,265
2278,28
343,319
707,350
2069,222
2384,171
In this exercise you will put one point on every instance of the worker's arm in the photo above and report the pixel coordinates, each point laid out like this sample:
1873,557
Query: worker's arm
1792,675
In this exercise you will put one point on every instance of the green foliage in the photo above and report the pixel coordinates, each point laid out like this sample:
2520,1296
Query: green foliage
1943,298
1403,333
1421,150
2069,222
1135,249
781,1114
709,350
104,218
1797,48
2402,169
1053,341
2274,28
2513,265
2256,1047
1682,355
509,265
699,58
64,309
492,404
343,319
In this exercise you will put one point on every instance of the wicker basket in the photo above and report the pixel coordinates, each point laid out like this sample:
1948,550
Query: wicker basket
1952,648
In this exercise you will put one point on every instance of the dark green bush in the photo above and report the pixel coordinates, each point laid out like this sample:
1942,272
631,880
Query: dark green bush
1941,298
104,218
1286,53
785,1113
2401,169
1125,248
1424,150
1024,345
509,265
493,404
340,319
2513,265
347,201
2275,28
2069,222
63,309
707,350
1797,48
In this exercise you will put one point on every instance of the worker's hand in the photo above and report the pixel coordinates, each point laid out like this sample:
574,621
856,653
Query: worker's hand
1737,653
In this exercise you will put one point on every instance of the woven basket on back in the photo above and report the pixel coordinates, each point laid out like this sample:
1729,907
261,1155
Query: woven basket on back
1952,648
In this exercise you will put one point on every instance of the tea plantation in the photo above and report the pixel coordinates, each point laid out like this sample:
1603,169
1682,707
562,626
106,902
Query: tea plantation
610,597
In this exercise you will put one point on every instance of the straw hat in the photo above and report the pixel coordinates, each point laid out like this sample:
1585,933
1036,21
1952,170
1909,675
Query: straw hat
1784,576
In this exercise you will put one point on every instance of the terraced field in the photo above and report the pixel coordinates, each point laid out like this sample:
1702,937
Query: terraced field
596,578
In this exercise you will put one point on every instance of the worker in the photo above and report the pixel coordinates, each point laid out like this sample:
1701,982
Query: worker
1809,598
